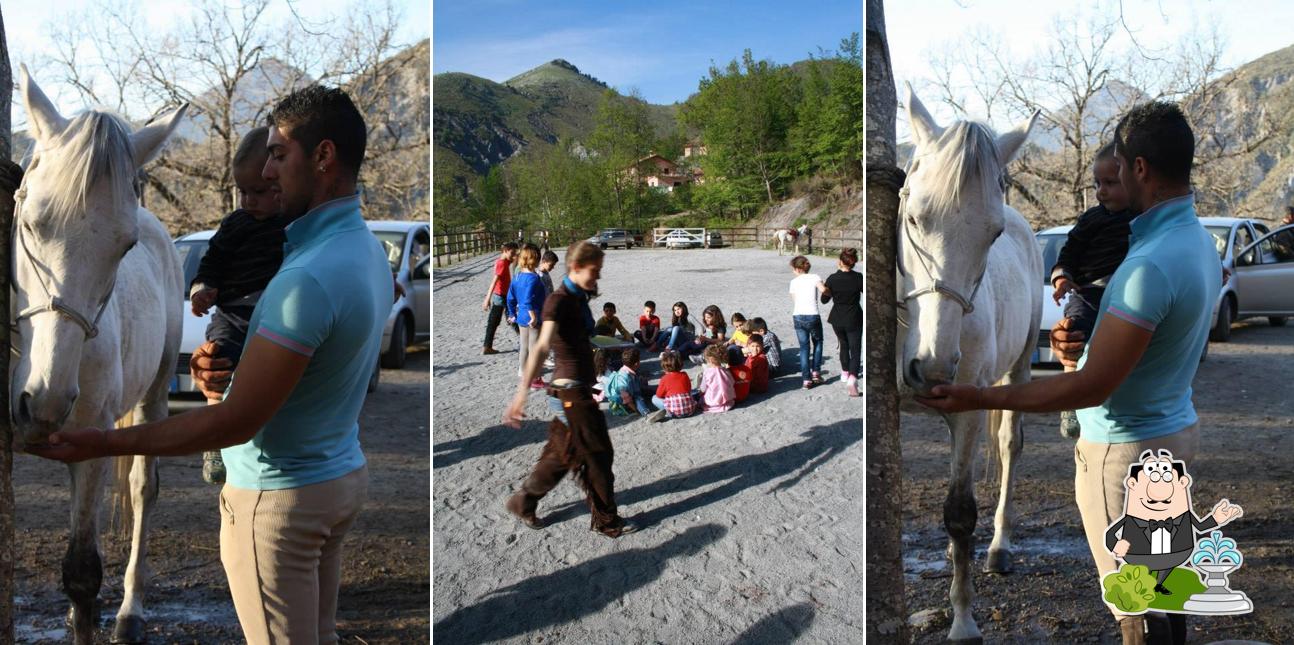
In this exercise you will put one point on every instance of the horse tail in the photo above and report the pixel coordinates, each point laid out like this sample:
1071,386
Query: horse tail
119,498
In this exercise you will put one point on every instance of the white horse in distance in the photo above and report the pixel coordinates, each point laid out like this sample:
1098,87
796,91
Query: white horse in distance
99,290
969,313
791,236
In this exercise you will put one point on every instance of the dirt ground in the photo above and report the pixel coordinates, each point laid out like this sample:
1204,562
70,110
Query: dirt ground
752,519
1243,393
385,583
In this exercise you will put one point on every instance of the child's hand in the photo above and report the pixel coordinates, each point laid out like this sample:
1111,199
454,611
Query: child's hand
202,300
1063,286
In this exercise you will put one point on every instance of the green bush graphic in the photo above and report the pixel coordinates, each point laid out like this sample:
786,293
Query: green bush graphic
1131,589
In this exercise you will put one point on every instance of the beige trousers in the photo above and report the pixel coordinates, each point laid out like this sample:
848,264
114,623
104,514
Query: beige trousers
282,554
1099,472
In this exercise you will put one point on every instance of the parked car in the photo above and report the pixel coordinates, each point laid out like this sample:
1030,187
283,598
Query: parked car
408,322
681,239
612,237
1230,236
713,239
1262,276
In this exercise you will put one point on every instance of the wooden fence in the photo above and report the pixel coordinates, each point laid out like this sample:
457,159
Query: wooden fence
449,247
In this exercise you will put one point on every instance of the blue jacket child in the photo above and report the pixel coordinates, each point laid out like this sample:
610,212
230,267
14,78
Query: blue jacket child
525,294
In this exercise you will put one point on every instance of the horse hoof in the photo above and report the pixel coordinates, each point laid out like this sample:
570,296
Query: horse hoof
998,561
129,630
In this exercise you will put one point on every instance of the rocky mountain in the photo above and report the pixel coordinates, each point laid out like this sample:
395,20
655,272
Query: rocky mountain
478,123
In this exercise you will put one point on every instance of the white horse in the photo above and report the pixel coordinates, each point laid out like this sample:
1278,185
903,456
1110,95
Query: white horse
99,289
791,236
969,313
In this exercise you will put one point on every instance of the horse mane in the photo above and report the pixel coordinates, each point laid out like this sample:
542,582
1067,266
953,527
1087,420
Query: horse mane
94,146
966,153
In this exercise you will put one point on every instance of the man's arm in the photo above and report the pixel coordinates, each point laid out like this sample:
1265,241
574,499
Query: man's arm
1114,352
268,373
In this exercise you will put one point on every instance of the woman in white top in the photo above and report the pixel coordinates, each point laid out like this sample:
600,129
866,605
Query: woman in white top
805,289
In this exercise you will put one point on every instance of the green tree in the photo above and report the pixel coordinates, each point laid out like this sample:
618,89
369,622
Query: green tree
622,136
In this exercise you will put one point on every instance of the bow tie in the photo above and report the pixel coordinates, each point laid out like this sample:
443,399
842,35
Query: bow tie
1155,525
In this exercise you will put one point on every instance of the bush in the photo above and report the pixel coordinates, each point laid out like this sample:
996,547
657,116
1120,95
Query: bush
1130,589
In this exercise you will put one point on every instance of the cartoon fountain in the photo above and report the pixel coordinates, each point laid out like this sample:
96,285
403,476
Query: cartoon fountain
1215,557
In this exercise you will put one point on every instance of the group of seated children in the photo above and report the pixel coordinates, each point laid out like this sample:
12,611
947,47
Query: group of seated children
734,366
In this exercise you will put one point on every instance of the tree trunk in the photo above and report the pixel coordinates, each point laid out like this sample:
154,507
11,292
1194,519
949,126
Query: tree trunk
6,429
887,620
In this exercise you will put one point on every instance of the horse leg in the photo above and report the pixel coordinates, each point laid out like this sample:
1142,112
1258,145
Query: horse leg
1010,441
960,516
143,496
82,566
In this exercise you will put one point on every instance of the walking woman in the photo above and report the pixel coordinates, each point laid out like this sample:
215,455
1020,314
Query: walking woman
577,437
845,286
805,289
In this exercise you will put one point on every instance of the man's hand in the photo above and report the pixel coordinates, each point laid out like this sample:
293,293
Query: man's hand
210,374
516,411
1225,511
952,398
1121,548
71,446
1063,286
1067,345
202,300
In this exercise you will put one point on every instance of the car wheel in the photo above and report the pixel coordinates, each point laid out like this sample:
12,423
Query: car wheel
603,245
393,359
1276,321
375,377
1221,331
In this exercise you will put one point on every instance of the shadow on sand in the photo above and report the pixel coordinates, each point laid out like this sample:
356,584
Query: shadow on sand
782,627
570,594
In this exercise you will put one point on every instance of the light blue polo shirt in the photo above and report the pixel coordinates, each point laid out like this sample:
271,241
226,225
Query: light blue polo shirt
1166,285
328,301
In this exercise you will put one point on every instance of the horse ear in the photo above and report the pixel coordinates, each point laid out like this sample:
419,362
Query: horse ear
45,120
1010,143
149,139
924,128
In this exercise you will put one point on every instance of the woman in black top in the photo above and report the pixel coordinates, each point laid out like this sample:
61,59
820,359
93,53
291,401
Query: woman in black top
846,288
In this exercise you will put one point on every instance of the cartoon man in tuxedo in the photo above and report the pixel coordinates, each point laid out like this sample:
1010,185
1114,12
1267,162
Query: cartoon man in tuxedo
1158,527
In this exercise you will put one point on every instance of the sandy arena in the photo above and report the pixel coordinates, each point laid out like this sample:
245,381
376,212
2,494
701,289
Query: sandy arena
384,592
1243,393
752,519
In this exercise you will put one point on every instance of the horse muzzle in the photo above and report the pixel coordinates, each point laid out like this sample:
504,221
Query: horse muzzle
38,415
922,375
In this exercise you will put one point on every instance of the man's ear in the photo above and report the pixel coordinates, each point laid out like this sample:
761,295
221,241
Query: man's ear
1185,481
1140,169
325,153
1130,483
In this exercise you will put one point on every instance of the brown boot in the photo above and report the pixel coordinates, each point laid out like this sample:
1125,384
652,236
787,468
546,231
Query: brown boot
489,350
517,506
1133,629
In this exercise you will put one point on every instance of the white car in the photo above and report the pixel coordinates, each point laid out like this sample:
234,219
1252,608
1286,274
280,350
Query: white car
410,314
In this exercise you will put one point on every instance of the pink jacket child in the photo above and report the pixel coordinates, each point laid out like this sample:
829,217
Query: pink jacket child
717,392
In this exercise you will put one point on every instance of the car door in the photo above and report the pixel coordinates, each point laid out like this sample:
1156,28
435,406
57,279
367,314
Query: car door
1241,237
422,298
1266,272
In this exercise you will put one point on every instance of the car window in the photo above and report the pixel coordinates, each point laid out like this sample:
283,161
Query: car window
422,271
1281,246
393,246
1243,238
1219,235
1050,245
191,253
1261,228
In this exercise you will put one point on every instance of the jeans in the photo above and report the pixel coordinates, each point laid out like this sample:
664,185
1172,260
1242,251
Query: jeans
809,328
851,347
678,337
496,316
640,399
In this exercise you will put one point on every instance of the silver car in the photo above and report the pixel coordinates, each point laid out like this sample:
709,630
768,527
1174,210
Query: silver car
611,237
406,244
1262,277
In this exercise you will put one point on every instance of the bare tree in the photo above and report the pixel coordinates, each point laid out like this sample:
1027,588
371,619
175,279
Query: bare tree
886,606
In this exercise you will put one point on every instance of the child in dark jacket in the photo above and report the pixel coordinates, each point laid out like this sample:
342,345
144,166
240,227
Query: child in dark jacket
1095,248
241,258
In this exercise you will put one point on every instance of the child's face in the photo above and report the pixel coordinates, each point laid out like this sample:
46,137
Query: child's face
255,194
609,312
649,312
678,311
753,349
709,319
546,266
1109,190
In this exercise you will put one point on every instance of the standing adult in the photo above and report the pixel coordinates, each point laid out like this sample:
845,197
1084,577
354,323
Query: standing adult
288,423
1132,387
846,286
577,438
805,289
1289,216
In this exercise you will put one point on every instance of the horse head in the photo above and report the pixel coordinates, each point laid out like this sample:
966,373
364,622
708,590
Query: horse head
76,218
951,213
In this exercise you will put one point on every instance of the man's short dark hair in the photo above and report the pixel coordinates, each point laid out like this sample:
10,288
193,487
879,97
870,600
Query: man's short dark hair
315,113
609,305
1158,132
1179,469
650,304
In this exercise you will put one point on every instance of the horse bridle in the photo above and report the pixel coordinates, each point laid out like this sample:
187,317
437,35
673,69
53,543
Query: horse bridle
936,285
52,302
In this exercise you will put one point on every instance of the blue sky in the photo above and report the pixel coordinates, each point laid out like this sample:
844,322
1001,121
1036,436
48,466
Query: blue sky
661,48
1249,29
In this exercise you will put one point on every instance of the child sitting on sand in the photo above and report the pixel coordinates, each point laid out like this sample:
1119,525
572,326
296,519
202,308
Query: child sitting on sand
714,331
648,327
736,343
604,372
681,330
772,345
717,390
624,388
674,397
609,324
757,362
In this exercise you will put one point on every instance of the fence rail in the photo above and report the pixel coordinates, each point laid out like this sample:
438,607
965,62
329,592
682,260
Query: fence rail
449,247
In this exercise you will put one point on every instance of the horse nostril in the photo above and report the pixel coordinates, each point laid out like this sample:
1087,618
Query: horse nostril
24,408
913,372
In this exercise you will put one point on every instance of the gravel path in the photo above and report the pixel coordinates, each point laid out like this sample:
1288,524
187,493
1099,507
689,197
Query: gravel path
753,522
